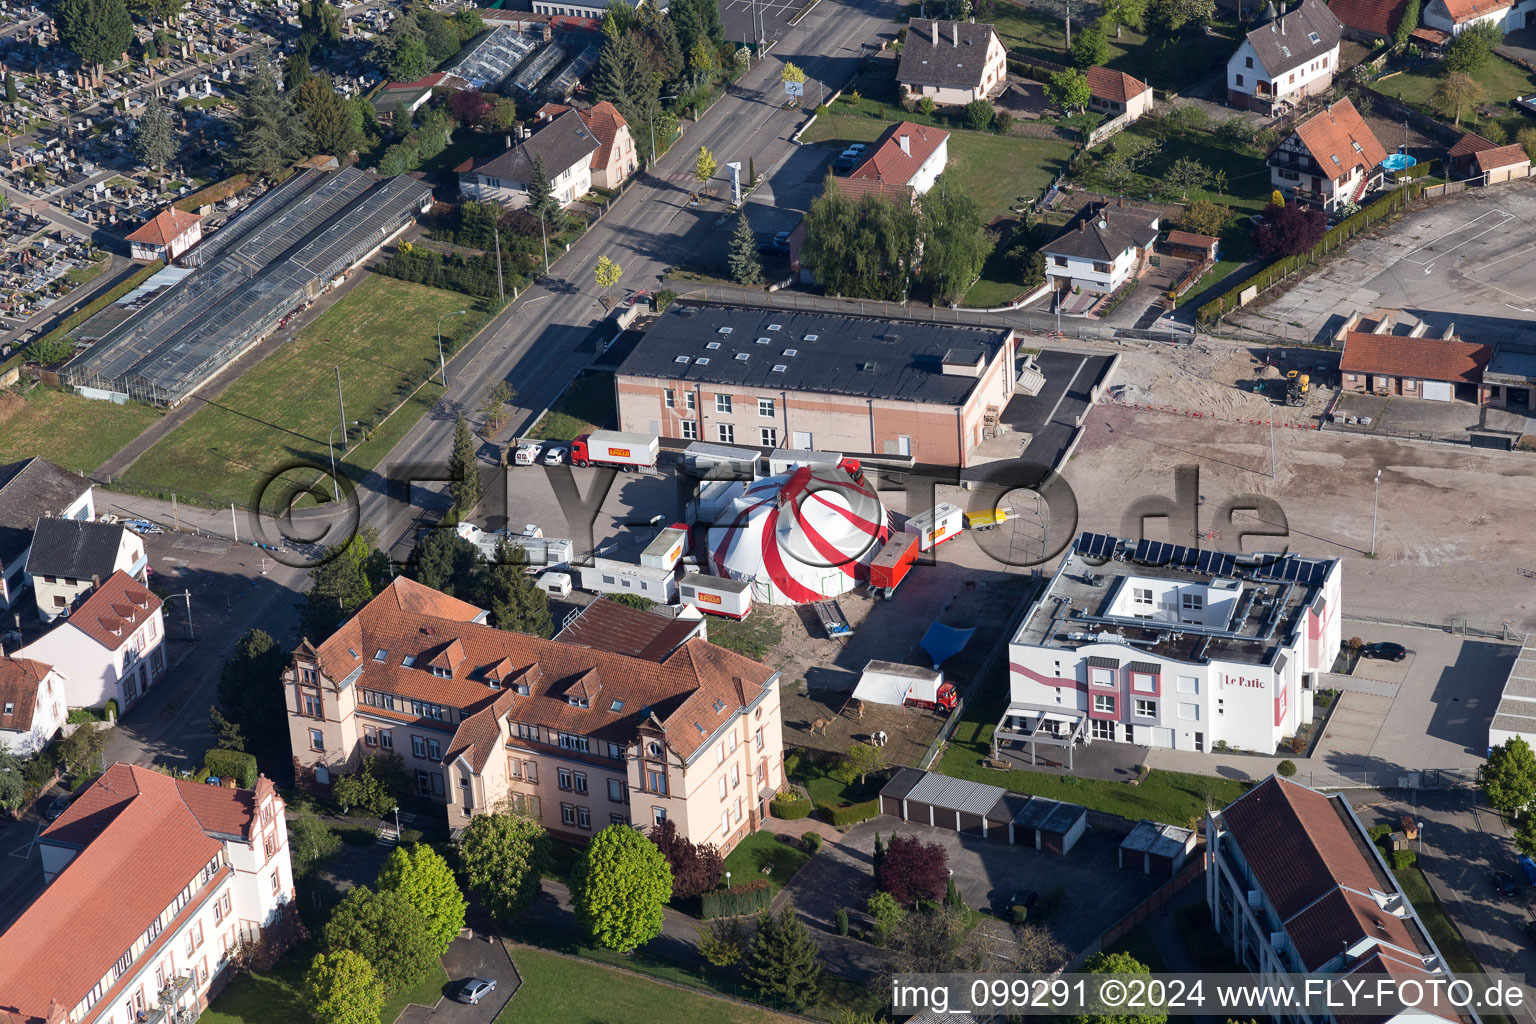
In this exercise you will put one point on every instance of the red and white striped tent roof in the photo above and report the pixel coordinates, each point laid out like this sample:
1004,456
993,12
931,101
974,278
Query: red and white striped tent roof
801,536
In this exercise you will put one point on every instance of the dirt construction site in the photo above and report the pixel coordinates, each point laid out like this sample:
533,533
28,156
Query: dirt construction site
1452,534
1214,379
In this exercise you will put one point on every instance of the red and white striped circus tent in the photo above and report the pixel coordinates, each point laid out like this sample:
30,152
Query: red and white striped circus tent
801,536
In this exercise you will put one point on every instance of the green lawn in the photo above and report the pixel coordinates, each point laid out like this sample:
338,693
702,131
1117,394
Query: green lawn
995,170
1172,797
280,412
1501,80
80,275
557,988
1248,185
77,433
757,851
588,404
275,998
1165,63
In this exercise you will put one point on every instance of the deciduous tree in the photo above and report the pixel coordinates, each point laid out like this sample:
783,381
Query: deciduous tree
1204,217
979,115
1089,47
619,888
440,38
494,406
913,870
606,274
154,142
342,988
1118,963
1508,777
1456,92
387,931
863,249
310,842
935,941
1069,90
1473,47
955,244
864,758
346,579
80,752
696,867
469,105
13,785
782,962
502,855
746,268
1406,24
1186,173
704,167
722,941
423,878
1123,12
1037,951
377,787
1290,229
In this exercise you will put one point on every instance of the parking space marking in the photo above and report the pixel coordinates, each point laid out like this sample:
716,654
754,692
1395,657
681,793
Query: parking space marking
1423,249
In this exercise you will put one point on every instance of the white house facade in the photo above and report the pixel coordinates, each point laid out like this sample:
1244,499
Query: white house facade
1171,655
1286,57
907,154
1331,159
565,147
1456,16
111,647
32,708
1102,248
70,557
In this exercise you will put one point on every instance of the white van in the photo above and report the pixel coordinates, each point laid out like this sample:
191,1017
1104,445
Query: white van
555,584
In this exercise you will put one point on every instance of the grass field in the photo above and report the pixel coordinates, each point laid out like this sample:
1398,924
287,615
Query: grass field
588,404
77,433
1172,797
759,850
1501,80
556,988
1248,185
995,170
275,998
1164,63
279,413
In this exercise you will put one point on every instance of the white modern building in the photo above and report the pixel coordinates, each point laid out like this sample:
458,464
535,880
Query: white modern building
152,883
1101,248
1286,57
111,647
1168,646
1297,889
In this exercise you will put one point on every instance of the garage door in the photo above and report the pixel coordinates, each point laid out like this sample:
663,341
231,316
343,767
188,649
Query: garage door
1162,737
1438,390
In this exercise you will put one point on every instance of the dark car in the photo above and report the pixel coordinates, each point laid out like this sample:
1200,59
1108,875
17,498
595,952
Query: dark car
1384,651
1004,902
472,990
1503,883
56,807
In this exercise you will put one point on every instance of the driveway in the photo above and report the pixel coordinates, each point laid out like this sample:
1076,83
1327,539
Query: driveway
479,957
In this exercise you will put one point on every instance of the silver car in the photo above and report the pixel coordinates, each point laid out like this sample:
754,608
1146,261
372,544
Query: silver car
472,990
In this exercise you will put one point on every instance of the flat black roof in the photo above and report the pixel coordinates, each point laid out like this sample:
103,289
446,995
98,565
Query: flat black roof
813,352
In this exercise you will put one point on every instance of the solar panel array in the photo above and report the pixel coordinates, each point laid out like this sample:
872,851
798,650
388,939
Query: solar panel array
1287,568
1097,545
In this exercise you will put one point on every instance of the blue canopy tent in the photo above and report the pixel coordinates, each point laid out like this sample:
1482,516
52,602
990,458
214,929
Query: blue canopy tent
944,642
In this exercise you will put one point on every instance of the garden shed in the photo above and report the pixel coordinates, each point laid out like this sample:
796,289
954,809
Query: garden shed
988,812
1156,848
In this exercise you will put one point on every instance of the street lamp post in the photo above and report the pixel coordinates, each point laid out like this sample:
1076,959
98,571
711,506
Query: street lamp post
442,365
1419,825
1375,505
651,118
331,445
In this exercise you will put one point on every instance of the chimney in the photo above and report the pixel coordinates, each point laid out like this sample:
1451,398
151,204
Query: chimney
1082,225
934,24
905,142
954,31
509,142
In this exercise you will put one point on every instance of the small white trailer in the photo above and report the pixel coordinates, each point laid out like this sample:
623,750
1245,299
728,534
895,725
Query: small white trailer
541,550
718,595
720,461
608,576
669,546
937,525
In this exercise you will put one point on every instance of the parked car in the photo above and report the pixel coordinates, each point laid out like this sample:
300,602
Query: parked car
472,990
1530,929
56,807
1004,901
1503,883
1384,651
554,456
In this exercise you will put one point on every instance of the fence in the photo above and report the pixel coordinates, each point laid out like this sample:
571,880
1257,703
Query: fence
1165,892
1114,126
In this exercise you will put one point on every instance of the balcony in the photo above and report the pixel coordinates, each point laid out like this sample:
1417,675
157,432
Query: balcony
180,989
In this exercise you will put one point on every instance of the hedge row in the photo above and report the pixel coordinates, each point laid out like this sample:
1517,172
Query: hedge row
231,764
790,810
849,814
748,898
1332,239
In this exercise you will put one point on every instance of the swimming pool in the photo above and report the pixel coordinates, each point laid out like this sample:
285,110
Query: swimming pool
1399,162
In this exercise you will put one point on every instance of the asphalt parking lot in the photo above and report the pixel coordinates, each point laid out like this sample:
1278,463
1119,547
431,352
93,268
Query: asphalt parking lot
749,20
469,958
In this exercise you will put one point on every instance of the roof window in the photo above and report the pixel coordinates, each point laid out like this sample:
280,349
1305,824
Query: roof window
408,661
719,704
617,705
1335,157
779,367
774,327
1314,37
791,352
703,361
681,359
812,337
723,330
380,654
742,356
712,345
762,341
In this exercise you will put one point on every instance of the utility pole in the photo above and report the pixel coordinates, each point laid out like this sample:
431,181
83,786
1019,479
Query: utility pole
1069,24
233,522
1375,505
192,633
500,289
175,512
1271,447
340,404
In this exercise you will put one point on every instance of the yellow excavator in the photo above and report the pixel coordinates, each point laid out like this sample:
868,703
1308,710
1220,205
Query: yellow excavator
1297,385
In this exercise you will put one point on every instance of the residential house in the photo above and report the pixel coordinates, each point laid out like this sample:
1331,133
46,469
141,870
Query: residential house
615,159
29,490
1116,93
1286,57
70,557
1170,646
952,62
1330,160
1297,889
111,647
638,721
1101,248
1368,20
166,235
1476,157
32,708
152,883
906,154
1456,16
1435,369
565,146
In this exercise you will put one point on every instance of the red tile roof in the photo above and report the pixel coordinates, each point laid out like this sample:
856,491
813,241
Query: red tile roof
1466,10
888,162
680,687
1118,86
1341,919
1422,358
104,899
1432,36
1469,144
1400,967
1503,156
1340,141
1378,17
610,626
165,226
20,679
115,610
604,122
857,188
1191,240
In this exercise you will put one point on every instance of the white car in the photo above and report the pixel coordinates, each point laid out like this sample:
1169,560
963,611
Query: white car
526,455
554,456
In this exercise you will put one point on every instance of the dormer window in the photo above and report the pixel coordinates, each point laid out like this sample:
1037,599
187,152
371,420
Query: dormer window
578,702
521,689
10,709
441,673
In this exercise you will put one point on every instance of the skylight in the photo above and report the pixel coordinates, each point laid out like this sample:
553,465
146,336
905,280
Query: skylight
380,654
681,359
724,330
1314,37
774,327
702,361
618,705
713,344
779,367
408,661
791,352
1336,159
812,337
762,341
743,356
